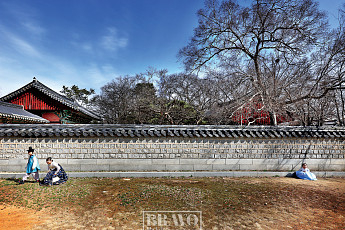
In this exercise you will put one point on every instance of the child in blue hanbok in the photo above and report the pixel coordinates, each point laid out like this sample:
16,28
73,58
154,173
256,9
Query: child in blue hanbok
304,173
32,167
56,174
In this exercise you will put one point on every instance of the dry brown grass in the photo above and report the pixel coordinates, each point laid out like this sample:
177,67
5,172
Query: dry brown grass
226,203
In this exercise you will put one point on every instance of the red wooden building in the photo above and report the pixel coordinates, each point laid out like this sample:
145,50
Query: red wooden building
253,112
40,100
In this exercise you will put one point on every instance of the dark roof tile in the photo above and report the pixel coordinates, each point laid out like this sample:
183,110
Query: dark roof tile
54,95
12,111
42,130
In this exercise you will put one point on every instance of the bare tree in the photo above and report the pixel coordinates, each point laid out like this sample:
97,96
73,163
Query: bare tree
282,50
199,93
130,99
115,99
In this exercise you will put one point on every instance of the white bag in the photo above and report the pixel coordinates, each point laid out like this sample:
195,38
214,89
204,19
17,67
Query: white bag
55,179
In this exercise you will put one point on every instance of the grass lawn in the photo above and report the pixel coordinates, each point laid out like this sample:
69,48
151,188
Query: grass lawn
225,203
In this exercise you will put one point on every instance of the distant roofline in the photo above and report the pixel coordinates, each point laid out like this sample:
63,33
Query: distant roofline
176,131
52,94
28,117
11,105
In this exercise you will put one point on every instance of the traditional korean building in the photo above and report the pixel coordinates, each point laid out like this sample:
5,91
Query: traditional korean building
254,114
44,102
11,113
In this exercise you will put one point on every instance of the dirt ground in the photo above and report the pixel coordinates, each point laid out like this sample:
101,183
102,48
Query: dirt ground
226,203
13,218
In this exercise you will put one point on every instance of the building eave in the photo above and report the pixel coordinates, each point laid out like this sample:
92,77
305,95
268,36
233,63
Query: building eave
53,95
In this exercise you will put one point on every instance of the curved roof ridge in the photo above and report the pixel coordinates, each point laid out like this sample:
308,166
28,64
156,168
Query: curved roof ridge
226,131
52,94
9,110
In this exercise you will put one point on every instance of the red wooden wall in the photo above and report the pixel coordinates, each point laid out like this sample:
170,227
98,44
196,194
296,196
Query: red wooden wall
32,102
254,112
52,117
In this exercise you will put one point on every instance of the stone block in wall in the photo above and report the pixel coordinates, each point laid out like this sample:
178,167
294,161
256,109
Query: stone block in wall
252,167
239,161
226,167
71,168
290,161
13,168
277,167
179,167
193,161
206,156
331,167
223,156
17,161
216,161
129,167
339,161
203,167
265,161
127,161
94,167
165,161
77,156
81,161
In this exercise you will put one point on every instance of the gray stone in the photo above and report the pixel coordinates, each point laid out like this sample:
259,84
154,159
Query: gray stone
179,167
165,161
82,161
246,167
193,161
3,162
225,167
265,161
203,167
13,168
94,167
239,161
278,167
215,161
70,168
245,174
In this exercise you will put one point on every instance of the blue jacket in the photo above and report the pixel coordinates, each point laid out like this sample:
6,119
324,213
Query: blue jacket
31,161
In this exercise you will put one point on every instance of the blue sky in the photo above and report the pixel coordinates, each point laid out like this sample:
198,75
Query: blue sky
91,42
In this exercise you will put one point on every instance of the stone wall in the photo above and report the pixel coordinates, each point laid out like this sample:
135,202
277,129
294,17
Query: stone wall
221,148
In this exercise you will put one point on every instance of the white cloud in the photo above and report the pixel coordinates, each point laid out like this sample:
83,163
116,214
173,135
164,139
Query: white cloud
26,17
23,57
33,28
87,47
100,75
112,40
19,38
24,47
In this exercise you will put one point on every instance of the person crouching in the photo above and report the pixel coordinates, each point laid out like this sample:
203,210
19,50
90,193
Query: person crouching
56,174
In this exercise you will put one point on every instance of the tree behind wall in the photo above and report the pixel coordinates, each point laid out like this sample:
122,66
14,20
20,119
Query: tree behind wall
281,50
77,94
